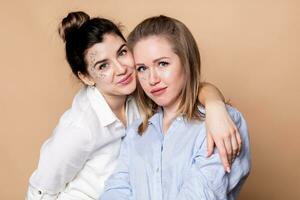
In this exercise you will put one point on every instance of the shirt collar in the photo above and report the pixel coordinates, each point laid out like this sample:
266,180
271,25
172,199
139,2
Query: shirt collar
156,119
101,107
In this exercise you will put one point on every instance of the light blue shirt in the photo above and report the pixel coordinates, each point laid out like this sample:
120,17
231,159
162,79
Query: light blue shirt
157,166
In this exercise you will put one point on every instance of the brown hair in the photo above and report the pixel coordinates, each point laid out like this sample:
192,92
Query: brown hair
185,47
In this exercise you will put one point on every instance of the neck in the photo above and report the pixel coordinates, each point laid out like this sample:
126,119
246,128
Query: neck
117,105
170,113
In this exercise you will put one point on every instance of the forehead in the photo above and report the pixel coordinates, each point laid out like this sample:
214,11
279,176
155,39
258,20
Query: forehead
103,50
152,47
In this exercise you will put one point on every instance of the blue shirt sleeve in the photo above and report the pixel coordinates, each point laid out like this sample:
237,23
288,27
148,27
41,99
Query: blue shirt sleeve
207,179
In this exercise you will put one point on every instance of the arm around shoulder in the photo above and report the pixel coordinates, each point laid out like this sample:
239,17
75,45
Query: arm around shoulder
207,179
242,163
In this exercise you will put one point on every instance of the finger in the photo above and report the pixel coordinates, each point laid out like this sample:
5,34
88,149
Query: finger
239,141
223,155
228,148
234,145
210,145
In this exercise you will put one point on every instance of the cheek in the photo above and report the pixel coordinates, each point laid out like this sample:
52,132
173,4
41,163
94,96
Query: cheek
143,81
127,61
143,77
180,80
174,77
167,74
104,76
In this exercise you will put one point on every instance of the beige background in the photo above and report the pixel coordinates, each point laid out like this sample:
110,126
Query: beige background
250,50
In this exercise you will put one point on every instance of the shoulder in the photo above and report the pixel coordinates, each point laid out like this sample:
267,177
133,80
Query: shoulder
73,126
242,127
239,120
81,114
235,114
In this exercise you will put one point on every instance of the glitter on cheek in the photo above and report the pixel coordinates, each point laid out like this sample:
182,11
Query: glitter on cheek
101,76
91,61
166,73
143,80
105,75
92,57
143,76
93,70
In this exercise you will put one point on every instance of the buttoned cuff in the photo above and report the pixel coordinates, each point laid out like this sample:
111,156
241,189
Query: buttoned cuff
37,194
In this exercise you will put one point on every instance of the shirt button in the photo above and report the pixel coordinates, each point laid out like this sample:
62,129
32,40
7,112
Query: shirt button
157,170
39,192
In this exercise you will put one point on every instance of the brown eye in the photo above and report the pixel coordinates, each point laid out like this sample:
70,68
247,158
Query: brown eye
123,52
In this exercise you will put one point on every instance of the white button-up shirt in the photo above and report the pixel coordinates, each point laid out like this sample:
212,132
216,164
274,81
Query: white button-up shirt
82,152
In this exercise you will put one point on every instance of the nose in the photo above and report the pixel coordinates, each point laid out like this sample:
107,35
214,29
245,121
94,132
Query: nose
153,77
120,69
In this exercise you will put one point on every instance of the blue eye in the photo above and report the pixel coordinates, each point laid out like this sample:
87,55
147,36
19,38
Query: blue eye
141,68
163,64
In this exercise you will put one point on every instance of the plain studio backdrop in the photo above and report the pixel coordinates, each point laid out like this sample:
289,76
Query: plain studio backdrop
249,49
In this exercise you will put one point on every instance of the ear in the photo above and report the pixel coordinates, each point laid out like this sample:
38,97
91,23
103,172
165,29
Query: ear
86,79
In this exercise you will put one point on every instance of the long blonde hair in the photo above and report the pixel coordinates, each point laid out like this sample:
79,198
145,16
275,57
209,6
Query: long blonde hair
185,47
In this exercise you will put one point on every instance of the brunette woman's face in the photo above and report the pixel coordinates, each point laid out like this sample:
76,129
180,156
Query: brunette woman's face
111,66
159,70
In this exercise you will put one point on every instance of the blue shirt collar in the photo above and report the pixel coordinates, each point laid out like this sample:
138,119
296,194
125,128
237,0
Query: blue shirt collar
157,119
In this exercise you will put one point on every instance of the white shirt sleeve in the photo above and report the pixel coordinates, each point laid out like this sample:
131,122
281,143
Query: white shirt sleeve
61,157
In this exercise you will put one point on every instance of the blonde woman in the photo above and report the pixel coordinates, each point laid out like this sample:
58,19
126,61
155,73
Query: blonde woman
163,156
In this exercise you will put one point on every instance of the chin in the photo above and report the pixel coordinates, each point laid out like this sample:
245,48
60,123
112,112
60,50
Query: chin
165,101
129,89
161,102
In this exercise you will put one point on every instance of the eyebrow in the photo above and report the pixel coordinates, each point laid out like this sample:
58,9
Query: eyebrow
158,59
120,48
105,60
100,61
154,61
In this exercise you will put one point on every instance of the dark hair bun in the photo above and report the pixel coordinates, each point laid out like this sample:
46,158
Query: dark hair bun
71,23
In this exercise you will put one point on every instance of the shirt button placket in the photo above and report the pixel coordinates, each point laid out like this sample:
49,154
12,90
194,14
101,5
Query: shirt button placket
158,172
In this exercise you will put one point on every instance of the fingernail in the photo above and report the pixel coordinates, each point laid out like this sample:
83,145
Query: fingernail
228,169
207,153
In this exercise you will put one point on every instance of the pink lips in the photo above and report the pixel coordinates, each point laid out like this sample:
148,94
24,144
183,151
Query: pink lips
126,80
158,91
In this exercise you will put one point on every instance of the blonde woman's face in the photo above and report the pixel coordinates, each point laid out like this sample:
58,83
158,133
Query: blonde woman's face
111,66
159,70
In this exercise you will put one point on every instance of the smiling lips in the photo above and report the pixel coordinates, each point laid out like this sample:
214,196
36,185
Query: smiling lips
158,91
126,80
